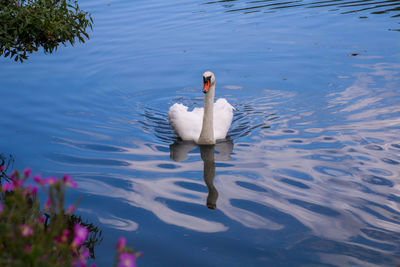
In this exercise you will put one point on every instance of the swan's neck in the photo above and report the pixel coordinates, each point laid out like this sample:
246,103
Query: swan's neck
207,130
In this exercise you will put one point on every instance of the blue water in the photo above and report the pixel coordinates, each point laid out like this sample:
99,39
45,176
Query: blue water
310,174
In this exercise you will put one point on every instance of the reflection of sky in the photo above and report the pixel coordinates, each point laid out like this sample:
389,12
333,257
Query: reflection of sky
339,181
144,194
113,221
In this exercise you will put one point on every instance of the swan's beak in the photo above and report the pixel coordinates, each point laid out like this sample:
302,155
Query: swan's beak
206,86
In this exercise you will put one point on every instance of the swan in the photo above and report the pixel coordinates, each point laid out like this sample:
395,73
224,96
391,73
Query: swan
207,129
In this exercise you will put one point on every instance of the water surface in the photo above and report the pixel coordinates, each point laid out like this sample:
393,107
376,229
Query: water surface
309,174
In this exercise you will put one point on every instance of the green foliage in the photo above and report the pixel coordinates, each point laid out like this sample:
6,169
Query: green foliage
48,236
30,236
27,25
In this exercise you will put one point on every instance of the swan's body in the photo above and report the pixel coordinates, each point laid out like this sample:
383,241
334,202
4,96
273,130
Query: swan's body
188,124
203,125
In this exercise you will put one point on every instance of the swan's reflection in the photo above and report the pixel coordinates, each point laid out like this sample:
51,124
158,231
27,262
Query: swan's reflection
207,155
179,152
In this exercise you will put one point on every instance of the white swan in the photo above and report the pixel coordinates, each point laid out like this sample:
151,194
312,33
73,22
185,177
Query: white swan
204,130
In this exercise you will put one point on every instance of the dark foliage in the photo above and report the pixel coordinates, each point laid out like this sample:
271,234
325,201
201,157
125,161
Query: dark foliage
27,25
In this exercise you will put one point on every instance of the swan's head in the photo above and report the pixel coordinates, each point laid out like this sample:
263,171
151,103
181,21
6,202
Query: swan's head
208,81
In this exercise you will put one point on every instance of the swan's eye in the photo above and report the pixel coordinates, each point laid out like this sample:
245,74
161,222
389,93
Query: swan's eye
207,79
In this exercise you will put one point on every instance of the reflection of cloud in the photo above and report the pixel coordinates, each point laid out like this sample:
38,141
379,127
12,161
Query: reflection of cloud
113,221
364,103
361,104
232,87
335,202
356,90
338,185
149,195
388,71
343,260
335,173
119,223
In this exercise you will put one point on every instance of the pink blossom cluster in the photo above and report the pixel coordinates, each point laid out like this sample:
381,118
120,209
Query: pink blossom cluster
16,182
26,230
79,233
67,180
83,256
125,258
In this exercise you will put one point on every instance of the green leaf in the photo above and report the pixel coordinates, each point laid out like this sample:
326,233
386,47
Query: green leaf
40,23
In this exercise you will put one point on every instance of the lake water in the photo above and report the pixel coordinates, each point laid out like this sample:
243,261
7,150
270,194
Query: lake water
310,173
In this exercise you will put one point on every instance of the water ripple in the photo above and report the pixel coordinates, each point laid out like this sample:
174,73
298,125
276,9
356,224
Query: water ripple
344,7
309,173
321,171
249,116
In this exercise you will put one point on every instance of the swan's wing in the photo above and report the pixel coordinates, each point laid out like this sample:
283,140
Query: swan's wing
185,123
223,114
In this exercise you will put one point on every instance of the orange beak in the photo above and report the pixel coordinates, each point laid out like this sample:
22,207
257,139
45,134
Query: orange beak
206,86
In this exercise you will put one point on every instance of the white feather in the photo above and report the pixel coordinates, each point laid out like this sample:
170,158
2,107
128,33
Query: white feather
188,124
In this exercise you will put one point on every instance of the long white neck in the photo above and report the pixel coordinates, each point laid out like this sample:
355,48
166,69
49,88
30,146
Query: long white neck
207,130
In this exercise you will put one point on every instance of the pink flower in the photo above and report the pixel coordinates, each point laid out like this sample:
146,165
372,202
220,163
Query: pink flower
80,231
80,235
38,179
127,260
76,242
84,255
27,172
121,244
2,168
26,230
69,182
8,187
